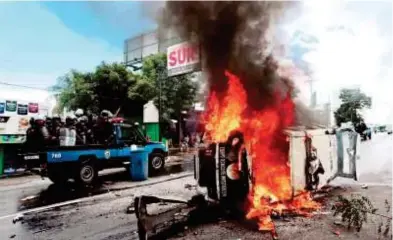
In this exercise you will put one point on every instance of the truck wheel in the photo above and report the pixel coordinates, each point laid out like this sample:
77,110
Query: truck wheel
156,162
87,173
57,175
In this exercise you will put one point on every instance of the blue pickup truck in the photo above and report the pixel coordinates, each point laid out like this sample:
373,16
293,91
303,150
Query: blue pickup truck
82,162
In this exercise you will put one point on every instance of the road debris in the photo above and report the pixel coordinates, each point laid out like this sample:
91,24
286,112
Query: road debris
338,223
364,186
323,213
336,232
190,187
130,210
17,218
28,198
42,230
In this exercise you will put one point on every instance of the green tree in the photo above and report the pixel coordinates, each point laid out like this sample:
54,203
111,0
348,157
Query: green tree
76,91
113,86
170,94
352,100
107,87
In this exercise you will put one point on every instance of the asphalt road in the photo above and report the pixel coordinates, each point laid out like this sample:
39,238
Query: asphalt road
103,216
375,164
22,193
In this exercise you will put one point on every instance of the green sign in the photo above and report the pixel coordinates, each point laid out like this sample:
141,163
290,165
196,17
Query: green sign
12,139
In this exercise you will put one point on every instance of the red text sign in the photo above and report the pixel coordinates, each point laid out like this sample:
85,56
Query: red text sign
183,58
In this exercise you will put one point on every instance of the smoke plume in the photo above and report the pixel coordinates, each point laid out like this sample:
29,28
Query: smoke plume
237,36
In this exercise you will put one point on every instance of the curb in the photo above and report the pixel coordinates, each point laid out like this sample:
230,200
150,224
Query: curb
150,183
15,175
76,201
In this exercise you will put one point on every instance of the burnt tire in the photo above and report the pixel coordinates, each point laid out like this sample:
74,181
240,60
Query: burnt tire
156,163
87,173
57,175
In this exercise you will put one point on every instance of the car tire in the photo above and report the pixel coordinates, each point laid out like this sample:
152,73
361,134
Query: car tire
57,175
156,162
87,173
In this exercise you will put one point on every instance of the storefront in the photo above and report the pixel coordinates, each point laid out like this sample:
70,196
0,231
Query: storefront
17,107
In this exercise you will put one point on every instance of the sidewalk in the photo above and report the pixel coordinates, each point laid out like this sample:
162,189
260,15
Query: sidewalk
20,172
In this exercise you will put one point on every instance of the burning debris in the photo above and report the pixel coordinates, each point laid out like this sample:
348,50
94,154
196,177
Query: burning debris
247,94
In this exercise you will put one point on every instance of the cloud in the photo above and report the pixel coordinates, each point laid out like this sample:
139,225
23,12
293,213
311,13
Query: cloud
36,47
353,49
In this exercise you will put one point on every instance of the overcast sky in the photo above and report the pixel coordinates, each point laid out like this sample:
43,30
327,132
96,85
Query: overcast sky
351,46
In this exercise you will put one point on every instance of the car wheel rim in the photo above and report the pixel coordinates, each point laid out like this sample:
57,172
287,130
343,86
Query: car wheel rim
157,162
87,173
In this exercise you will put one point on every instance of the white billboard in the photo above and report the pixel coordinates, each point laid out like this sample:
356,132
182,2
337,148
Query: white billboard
183,58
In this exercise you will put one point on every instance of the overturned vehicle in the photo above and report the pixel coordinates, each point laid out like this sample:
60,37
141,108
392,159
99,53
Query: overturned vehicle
226,173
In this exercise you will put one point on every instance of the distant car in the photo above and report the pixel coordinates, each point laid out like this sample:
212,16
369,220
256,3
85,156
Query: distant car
382,128
389,129
366,134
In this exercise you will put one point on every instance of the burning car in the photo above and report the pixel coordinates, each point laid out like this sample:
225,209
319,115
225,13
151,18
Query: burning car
262,166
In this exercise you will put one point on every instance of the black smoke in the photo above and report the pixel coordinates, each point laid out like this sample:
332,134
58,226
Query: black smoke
235,36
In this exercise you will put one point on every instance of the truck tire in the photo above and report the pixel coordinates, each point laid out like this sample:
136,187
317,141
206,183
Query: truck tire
57,175
156,162
87,173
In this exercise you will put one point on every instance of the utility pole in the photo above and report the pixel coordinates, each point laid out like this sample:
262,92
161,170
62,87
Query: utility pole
313,99
160,104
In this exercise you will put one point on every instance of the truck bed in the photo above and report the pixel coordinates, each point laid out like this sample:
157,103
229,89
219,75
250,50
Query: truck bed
58,154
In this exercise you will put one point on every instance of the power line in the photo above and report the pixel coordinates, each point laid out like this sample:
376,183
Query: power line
24,86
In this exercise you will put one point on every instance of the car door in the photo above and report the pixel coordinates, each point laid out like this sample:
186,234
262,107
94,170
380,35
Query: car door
348,143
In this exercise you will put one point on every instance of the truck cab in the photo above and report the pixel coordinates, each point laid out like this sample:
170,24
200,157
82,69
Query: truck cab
129,135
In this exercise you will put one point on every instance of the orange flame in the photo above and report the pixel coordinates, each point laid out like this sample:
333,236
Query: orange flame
267,145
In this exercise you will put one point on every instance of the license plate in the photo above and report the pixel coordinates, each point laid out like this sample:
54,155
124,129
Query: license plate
32,157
